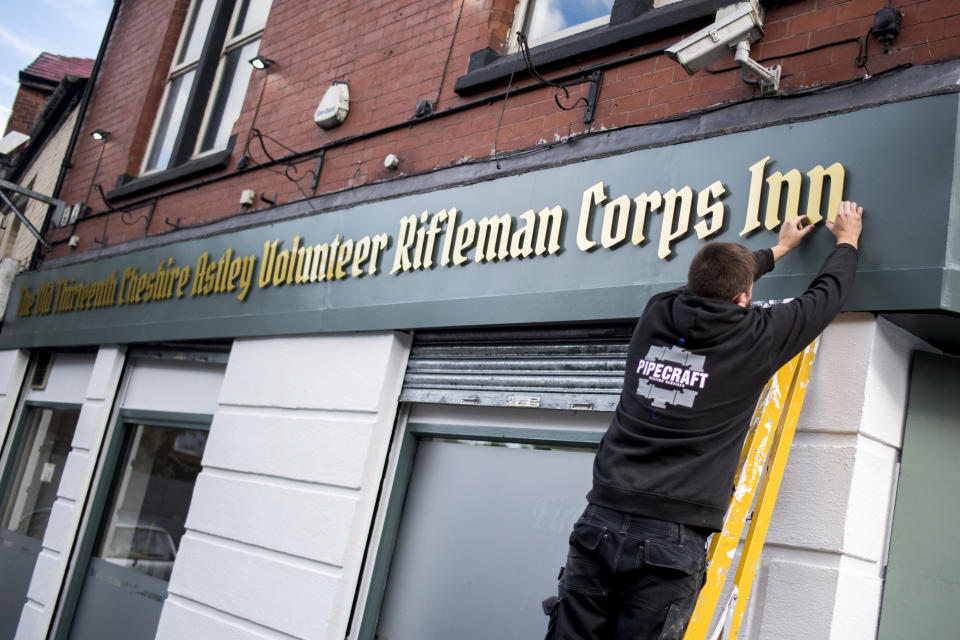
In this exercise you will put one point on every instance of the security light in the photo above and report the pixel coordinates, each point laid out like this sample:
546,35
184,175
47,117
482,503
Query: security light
100,134
261,62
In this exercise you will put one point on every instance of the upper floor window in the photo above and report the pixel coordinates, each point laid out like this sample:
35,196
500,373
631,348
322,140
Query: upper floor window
207,80
545,20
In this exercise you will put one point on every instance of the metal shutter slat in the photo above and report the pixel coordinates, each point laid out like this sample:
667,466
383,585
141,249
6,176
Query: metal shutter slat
561,368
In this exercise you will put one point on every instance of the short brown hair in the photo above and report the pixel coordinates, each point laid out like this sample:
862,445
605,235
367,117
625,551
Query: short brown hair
721,270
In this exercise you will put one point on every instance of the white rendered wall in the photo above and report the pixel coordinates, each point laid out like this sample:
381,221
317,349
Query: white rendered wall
820,576
282,509
92,383
41,177
13,366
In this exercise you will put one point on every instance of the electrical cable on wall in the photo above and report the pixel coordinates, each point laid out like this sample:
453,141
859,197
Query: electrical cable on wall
295,158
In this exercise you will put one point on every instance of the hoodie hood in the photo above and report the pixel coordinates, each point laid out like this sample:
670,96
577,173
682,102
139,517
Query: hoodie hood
703,319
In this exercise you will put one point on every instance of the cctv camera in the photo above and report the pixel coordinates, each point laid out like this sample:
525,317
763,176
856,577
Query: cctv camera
737,23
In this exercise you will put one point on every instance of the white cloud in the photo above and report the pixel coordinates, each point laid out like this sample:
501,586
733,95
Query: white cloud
88,17
23,48
7,81
546,18
4,116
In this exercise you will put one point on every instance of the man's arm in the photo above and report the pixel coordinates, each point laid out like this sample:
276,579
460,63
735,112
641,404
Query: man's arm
799,321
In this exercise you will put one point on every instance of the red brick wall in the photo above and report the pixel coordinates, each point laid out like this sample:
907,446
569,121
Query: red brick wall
26,107
392,54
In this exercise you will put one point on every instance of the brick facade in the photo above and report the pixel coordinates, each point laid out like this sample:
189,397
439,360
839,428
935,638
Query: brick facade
394,53
26,107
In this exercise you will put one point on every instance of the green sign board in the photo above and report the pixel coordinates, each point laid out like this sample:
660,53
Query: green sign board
586,241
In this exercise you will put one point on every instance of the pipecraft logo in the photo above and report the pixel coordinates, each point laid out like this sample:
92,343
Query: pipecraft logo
671,375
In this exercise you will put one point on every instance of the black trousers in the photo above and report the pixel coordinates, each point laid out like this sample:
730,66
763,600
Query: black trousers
627,577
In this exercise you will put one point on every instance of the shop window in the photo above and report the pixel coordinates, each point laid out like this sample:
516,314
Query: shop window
207,80
37,470
149,507
545,20
144,521
486,516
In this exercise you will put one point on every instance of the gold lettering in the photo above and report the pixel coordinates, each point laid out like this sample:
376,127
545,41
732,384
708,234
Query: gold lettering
302,271
616,213
432,232
223,268
360,255
521,244
644,203
464,240
493,238
199,276
418,250
448,237
333,254
182,279
815,199
266,263
27,299
343,258
752,222
317,258
380,243
280,267
593,195
551,220
291,268
150,290
235,268
246,276
715,210
670,232
405,239
794,182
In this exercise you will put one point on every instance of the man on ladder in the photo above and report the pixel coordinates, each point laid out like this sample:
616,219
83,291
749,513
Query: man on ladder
698,360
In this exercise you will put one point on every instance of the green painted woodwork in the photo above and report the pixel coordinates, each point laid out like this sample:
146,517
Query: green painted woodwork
922,584
899,161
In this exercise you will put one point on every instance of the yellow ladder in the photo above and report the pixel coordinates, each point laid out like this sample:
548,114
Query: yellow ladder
767,445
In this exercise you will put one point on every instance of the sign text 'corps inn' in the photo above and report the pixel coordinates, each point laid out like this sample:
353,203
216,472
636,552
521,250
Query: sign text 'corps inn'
446,238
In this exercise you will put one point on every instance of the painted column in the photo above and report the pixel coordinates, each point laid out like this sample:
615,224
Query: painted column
821,574
282,509
65,516
13,366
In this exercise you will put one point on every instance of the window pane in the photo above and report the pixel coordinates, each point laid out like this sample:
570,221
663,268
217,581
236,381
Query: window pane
196,31
149,507
549,16
170,119
477,569
226,106
36,478
252,16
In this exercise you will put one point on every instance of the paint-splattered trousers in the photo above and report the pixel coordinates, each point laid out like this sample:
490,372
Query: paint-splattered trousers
627,578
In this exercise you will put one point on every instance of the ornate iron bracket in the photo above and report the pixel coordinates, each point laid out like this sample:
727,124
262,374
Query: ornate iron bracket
589,103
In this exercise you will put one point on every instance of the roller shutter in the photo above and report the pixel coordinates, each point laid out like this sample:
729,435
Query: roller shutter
552,367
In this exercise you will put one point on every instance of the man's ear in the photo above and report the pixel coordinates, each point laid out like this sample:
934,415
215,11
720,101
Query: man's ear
742,299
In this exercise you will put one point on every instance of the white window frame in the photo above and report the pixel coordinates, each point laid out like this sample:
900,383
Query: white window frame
178,69
520,16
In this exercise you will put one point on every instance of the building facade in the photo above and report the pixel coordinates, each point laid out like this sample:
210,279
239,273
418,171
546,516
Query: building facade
327,349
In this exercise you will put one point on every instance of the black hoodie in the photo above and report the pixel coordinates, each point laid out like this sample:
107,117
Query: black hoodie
695,369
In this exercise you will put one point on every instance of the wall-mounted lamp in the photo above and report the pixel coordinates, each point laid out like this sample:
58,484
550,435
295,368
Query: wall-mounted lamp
260,62
100,134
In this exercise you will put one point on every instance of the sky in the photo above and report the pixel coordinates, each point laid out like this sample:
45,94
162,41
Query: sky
30,27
